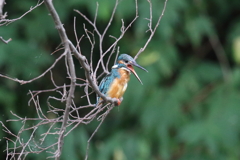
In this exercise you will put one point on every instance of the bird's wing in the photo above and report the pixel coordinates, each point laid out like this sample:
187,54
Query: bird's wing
106,83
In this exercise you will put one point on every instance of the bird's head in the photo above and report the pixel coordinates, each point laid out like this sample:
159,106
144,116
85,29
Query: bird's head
127,62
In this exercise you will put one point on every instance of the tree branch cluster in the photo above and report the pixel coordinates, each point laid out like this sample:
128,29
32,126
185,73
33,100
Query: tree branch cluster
69,118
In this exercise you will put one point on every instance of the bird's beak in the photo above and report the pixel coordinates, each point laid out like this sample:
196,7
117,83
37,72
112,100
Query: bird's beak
137,65
133,71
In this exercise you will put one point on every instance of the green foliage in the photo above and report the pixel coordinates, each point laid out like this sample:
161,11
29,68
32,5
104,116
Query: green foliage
185,109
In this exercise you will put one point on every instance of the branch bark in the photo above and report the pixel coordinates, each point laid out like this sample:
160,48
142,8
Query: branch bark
64,39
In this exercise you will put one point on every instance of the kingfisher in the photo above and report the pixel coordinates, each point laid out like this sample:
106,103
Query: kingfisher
115,83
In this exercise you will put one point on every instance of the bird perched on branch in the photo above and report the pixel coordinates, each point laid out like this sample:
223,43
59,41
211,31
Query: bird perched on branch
115,84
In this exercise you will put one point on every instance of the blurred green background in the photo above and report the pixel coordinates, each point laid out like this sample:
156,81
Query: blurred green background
189,105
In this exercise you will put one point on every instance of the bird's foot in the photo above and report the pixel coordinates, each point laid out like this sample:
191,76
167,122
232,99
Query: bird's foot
119,101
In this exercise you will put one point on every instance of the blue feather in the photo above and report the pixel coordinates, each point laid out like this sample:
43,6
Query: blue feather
107,81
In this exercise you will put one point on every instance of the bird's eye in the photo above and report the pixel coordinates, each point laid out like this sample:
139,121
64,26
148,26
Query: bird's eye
126,61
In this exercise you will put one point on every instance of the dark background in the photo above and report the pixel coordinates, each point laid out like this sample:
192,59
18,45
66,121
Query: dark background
189,105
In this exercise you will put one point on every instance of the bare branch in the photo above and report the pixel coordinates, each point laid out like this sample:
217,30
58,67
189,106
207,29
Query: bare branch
72,75
2,2
150,25
8,21
150,17
5,41
43,74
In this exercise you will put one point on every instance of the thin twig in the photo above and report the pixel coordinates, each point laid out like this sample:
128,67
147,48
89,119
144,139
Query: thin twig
43,74
154,30
5,41
8,21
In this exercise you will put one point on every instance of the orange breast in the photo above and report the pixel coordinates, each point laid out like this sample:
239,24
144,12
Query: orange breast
119,85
